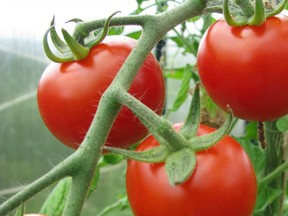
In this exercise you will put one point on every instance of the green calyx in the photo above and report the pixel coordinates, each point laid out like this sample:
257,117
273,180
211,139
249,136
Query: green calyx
249,14
179,158
71,49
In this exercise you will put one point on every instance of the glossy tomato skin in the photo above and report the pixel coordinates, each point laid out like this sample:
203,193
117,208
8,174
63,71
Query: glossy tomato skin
69,93
246,67
223,183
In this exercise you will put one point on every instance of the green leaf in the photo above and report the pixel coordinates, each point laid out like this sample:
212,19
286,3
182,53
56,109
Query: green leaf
189,44
251,131
94,182
282,124
255,153
174,73
112,158
184,89
116,30
177,73
136,35
122,203
55,203
208,104
178,41
20,211
140,1
180,165
266,196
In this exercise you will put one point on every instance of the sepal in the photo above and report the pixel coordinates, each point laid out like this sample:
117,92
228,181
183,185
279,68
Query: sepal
154,155
180,165
191,124
199,143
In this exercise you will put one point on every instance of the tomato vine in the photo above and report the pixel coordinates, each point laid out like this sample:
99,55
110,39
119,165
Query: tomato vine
83,165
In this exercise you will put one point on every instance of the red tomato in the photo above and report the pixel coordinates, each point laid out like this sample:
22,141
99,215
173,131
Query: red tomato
246,67
223,183
69,93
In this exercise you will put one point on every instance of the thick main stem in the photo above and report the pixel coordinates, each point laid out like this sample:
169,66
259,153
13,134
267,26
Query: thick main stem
103,120
274,157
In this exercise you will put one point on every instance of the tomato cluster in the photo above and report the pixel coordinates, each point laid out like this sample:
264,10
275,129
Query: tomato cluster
69,93
246,68
223,183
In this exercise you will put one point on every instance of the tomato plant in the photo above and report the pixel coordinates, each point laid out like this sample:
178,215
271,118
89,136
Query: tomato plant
69,93
246,68
223,183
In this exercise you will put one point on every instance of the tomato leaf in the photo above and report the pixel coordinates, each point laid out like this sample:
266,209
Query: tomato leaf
174,73
265,197
122,203
94,182
180,165
112,158
135,35
184,89
208,104
20,211
255,154
116,30
282,124
55,203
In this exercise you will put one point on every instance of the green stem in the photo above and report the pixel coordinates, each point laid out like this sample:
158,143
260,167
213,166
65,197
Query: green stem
278,172
273,161
78,193
83,30
158,126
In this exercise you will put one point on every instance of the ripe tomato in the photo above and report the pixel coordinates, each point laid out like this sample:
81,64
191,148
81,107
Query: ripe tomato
223,183
69,93
246,67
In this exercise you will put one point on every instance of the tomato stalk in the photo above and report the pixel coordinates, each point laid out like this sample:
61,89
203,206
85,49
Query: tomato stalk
158,126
